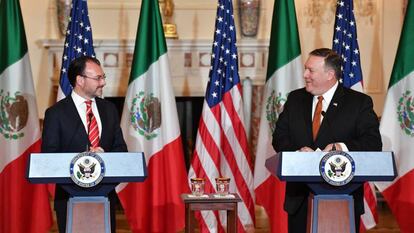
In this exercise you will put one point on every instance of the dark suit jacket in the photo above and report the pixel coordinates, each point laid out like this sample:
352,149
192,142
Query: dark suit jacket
350,119
63,131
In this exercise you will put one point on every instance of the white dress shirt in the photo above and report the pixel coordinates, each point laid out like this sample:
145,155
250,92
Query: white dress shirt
81,107
327,97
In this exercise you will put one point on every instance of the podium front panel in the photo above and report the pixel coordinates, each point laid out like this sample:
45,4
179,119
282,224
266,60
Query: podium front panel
304,166
55,167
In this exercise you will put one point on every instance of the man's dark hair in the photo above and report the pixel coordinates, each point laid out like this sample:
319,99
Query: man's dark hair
77,67
332,60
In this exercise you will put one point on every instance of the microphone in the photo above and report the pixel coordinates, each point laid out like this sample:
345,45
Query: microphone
323,113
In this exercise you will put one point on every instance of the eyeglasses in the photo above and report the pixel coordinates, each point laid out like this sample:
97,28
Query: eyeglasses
97,78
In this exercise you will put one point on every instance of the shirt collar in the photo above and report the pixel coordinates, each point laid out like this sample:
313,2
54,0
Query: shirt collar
327,96
79,100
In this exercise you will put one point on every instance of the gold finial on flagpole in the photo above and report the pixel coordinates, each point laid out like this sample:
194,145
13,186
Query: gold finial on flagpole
170,29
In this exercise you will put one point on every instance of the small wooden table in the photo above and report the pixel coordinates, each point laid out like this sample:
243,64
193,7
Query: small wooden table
211,203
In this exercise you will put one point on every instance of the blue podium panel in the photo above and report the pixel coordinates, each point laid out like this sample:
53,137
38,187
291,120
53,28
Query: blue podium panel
331,205
55,167
87,197
305,166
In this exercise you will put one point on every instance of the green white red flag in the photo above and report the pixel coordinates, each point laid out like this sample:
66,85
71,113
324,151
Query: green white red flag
284,74
150,125
24,207
397,127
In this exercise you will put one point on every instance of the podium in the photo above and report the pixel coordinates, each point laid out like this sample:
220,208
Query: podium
331,207
116,168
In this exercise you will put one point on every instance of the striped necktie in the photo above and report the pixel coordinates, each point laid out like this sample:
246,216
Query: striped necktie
92,124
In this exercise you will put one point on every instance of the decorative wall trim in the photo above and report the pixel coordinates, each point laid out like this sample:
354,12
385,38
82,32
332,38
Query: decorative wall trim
185,5
189,63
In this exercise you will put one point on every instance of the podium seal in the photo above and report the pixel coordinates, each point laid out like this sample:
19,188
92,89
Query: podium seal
337,168
87,169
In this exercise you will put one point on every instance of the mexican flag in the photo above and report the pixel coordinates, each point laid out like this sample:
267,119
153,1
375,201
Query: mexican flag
397,127
150,125
284,74
24,207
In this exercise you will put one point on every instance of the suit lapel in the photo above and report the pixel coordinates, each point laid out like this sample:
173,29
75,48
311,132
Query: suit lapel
72,113
307,103
74,126
326,129
104,121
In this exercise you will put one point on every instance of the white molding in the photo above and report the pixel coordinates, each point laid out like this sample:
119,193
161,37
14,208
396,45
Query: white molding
189,71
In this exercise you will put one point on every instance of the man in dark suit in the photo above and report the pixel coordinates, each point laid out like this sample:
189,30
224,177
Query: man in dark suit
344,118
66,125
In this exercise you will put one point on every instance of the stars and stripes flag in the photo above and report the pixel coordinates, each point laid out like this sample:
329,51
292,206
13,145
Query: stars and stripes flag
221,144
78,42
345,43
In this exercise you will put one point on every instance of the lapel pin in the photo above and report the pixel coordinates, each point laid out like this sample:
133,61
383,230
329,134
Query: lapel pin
335,104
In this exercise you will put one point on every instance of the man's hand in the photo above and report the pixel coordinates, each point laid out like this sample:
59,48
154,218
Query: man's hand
306,149
329,147
97,149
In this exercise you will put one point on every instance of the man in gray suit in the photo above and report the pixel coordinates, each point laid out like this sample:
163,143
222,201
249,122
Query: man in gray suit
68,123
318,116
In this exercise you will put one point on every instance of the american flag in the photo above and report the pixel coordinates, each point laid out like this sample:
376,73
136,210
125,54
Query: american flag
345,43
221,144
78,42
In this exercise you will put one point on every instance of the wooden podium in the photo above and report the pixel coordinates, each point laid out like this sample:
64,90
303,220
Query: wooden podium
331,208
88,207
